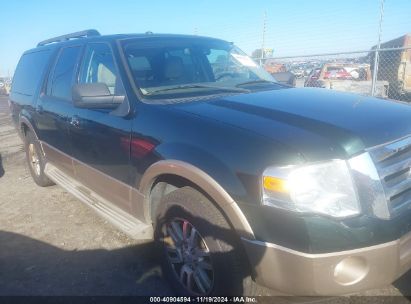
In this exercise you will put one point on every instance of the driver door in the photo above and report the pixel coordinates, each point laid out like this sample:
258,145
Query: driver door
100,137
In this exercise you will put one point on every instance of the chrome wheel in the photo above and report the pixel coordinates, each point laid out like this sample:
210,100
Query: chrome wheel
189,257
34,159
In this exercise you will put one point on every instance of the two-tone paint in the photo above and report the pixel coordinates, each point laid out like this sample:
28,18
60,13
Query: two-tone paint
221,145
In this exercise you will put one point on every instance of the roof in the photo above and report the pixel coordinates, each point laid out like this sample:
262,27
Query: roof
93,35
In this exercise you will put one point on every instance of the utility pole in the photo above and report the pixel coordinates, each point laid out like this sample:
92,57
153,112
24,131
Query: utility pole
377,51
263,37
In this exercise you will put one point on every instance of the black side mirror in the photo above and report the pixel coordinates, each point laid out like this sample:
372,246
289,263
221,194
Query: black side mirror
95,96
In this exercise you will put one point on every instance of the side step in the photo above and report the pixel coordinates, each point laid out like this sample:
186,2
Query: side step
119,218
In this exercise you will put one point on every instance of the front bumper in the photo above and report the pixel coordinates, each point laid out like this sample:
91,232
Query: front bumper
335,273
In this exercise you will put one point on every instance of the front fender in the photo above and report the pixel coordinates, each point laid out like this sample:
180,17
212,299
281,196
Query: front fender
207,172
205,161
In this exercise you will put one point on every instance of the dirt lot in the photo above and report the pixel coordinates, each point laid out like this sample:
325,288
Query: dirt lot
52,244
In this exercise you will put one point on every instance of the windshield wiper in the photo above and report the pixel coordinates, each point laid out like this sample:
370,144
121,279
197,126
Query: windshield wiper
255,82
200,86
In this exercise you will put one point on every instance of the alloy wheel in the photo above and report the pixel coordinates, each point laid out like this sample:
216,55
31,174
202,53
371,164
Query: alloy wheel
34,159
189,257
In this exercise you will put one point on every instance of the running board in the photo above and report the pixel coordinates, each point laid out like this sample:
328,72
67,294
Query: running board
119,218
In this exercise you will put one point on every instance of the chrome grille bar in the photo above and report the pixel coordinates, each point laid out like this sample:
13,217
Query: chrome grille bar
382,153
398,188
393,164
394,168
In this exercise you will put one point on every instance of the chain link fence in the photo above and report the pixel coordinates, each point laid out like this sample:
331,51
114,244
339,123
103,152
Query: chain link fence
393,65
383,72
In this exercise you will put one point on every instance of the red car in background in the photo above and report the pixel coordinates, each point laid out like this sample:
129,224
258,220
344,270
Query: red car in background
347,77
337,72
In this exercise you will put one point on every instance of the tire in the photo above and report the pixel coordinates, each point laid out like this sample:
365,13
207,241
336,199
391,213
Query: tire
223,259
35,161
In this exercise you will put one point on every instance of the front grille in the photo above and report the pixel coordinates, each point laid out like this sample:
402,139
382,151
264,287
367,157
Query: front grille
393,163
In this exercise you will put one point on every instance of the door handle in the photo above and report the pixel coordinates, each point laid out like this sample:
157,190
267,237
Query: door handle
75,121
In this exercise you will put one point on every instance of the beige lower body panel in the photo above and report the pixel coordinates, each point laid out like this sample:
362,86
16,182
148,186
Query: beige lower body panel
120,218
64,161
107,187
120,194
336,273
405,253
115,200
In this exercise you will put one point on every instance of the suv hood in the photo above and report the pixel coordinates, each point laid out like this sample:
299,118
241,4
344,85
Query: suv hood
320,124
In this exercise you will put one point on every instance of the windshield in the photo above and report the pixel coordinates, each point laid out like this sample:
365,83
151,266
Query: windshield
185,67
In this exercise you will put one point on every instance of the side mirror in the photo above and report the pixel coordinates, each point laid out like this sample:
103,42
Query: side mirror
95,96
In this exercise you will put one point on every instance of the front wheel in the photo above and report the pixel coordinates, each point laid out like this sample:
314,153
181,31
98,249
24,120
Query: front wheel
200,252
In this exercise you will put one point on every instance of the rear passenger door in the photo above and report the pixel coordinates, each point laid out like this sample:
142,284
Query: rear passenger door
55,108
101,138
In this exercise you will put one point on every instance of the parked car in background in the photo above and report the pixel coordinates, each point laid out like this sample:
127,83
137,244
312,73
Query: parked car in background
395,67
286,78
307,71
8,86
345,77
273,67
313,79
2,88
336,72
279,72
298,73
5,86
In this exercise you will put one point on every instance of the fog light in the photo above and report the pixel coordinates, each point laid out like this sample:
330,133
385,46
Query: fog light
351,270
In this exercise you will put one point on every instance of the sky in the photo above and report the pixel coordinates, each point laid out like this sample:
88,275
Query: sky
293,27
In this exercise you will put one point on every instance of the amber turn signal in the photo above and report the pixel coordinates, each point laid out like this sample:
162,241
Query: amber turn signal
275,184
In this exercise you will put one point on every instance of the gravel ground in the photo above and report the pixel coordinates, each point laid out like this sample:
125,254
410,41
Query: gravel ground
52,244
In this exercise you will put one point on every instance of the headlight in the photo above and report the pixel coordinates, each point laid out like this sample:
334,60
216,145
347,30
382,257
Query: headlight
324,188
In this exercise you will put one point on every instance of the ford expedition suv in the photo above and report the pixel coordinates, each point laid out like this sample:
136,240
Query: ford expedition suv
241,181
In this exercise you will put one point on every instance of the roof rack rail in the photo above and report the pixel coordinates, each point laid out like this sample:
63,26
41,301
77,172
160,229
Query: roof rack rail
81,34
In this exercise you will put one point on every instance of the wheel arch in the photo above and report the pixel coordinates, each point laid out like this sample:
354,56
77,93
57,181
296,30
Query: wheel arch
24,126
188,175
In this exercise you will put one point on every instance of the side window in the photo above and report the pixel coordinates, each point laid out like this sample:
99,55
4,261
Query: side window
99,67
61,79
29,72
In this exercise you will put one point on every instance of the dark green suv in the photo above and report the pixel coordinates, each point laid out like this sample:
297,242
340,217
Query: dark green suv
185,140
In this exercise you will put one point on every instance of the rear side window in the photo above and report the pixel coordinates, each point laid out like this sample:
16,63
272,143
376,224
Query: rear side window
61,79
29,72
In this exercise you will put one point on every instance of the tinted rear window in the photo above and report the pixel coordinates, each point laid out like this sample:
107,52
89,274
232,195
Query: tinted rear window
29,72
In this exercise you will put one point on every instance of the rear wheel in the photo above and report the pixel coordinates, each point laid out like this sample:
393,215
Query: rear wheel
35,160
201,254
